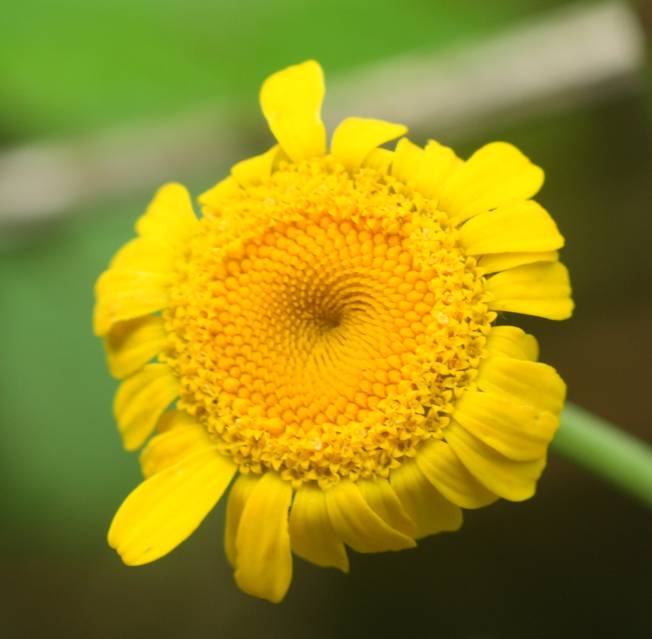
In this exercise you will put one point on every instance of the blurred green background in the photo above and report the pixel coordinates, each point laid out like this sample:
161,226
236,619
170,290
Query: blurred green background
574,561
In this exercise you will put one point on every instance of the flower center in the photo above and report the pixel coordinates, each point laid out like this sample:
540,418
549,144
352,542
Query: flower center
321,323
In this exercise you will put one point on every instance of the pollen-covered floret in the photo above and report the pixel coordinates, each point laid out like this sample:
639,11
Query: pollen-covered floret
323,326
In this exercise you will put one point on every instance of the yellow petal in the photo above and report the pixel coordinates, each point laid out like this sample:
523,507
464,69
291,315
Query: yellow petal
512,480
380,159
355,138
165,509
311,532
511,341
255,170
213,199
407,161
516,227
172,419
532,383
130,345
442,468
169,448
494,175
516,430
263,556
438,164
145,255
291,102
380,495
502,261
356,523
170,218
238,496
140,401
541,289
430,512
124,295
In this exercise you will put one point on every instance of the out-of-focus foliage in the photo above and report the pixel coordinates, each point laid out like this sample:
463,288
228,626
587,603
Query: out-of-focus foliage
72,65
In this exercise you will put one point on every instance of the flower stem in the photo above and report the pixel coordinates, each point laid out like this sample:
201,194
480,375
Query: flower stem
606,450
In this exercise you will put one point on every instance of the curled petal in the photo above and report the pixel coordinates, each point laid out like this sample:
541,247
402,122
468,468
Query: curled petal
124,295
380,159
131,344
510,479
263,558
140,401
238,496
408,158
438,164
425,506
358,525
256,169
511,341
496,174
494,262
170,218
516,430
382,498
291,101
532,383
311,531
444,470
169,448
355,138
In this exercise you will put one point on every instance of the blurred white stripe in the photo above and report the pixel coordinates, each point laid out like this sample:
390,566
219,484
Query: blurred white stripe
569,55
558,58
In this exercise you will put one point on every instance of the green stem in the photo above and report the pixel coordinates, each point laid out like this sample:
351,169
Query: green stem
606,450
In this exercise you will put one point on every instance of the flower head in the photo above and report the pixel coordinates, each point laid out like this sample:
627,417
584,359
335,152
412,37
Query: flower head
326,335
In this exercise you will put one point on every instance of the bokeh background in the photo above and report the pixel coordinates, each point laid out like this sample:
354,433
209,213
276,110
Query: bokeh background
102,101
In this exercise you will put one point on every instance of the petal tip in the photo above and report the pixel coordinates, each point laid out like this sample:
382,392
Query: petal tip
291,101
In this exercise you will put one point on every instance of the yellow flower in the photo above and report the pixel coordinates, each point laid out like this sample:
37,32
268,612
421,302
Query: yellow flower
325,332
